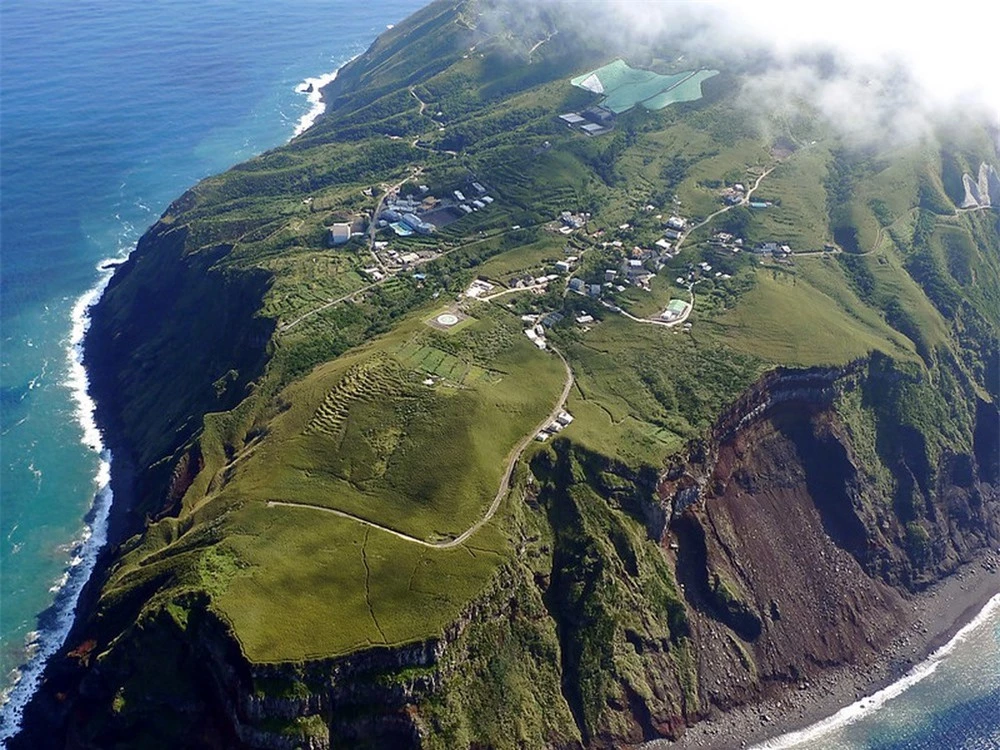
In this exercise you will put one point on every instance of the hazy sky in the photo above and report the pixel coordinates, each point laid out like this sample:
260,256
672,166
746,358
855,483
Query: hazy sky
949,49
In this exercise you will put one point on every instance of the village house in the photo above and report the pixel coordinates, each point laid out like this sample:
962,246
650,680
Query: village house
339,233
675,310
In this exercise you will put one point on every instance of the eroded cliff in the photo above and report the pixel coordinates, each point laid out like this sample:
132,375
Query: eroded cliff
636,605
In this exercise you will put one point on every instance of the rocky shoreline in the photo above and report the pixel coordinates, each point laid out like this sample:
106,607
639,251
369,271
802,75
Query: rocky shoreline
938,614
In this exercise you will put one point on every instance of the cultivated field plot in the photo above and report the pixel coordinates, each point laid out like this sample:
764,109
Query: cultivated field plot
309,278
368,435
432,361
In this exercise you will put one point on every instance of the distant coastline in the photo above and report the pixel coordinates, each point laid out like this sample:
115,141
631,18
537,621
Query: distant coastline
874,702
312,88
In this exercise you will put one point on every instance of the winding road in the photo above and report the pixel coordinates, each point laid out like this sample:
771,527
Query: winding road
519,449
664,323
502,490
744,201
680,241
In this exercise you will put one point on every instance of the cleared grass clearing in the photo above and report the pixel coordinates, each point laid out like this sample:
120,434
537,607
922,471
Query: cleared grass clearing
630,440
641,390
365,436
525,258
801,219
314,586
789,321
662,289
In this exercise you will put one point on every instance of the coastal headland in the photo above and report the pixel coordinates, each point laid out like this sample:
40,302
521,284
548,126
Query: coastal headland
536,397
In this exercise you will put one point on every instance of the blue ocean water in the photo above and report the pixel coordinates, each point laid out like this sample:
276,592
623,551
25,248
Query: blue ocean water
109,109
951,701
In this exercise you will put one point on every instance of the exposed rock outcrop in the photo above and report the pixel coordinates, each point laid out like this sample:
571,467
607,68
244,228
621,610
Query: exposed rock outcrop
984,191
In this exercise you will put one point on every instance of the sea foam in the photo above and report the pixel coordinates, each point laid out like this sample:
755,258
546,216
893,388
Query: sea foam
85,549
315,98
852,713
44,643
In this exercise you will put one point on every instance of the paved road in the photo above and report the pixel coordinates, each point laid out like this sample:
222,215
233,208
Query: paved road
502,490
512,290
973,209
389,275
664,323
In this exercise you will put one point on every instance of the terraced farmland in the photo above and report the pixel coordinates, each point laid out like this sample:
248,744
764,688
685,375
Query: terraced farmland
377,379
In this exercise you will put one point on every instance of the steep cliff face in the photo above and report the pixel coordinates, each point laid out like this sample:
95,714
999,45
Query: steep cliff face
153,378
789,539
792,554
791,551
771,550
790,548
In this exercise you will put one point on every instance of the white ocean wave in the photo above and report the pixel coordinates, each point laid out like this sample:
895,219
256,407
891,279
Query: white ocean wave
41,645
873,703
315,98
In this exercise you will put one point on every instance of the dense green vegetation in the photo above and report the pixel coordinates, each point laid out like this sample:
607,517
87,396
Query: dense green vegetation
266,366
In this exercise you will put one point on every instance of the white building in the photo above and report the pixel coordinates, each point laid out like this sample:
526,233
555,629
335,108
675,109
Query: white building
339,233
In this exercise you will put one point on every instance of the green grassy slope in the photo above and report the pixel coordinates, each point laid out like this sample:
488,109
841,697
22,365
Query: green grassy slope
305,382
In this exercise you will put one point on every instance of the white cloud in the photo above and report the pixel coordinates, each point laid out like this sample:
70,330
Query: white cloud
948,50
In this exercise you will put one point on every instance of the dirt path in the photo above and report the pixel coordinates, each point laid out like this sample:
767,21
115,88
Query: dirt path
974,209
324,306
502,490
540,43
423,105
